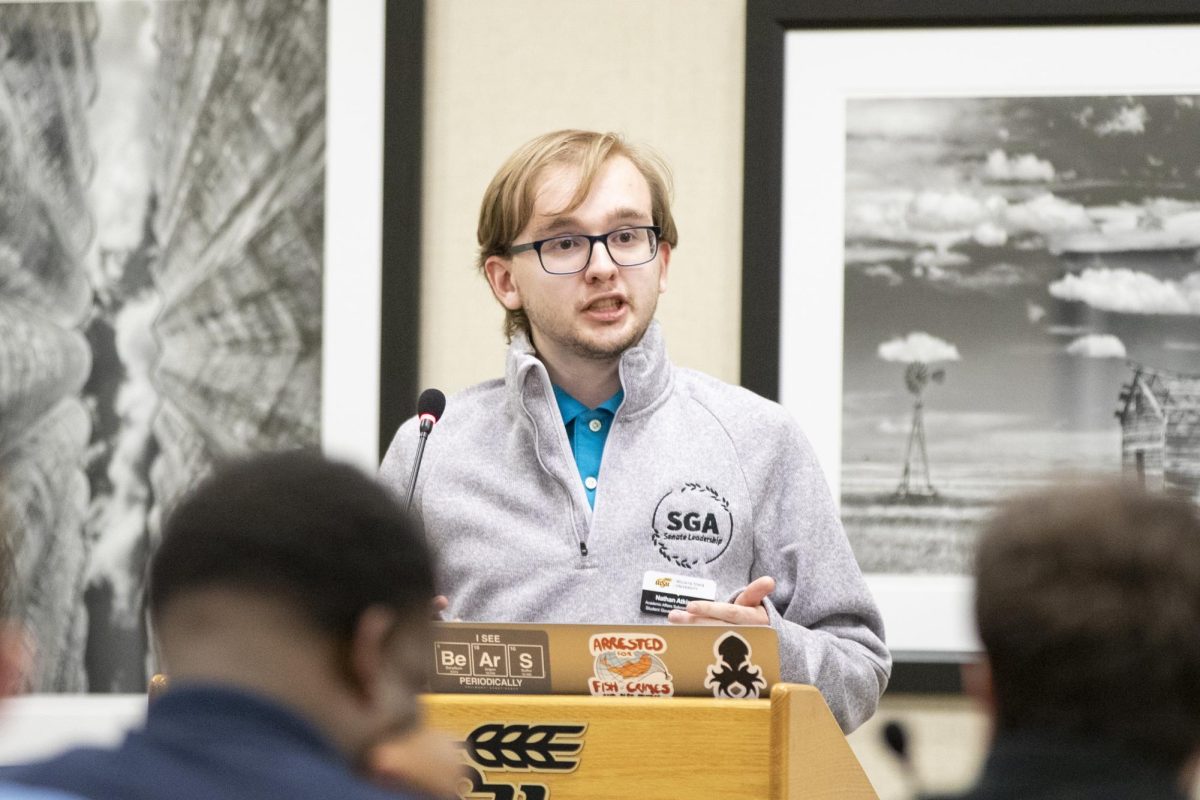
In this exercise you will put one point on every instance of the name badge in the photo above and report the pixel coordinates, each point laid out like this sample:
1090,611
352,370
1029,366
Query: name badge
662,592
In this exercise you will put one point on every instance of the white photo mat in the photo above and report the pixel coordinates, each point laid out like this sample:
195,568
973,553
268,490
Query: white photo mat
353,231
926,617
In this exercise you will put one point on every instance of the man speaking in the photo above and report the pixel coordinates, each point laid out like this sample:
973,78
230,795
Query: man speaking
596,467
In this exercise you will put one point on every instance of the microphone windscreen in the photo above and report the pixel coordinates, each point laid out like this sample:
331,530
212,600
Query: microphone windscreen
897,740
431,403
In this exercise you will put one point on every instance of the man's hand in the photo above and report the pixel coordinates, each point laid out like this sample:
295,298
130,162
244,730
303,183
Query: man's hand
746,608
440,604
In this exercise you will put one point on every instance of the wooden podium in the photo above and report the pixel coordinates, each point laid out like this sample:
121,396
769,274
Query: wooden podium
565,747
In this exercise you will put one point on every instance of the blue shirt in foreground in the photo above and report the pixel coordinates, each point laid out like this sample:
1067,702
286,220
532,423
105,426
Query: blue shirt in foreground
587,431
208,743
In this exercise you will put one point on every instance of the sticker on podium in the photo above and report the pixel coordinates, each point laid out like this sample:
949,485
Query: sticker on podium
490,660
609,660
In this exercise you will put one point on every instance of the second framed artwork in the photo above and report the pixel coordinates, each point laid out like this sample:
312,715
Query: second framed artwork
980,238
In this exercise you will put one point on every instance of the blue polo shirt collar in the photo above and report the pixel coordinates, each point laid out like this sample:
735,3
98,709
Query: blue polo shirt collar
587,441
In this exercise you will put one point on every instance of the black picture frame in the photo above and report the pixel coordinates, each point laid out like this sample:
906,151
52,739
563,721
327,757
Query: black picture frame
400,267
767,23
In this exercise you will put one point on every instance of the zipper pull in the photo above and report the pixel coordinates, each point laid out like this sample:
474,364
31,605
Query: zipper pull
583,549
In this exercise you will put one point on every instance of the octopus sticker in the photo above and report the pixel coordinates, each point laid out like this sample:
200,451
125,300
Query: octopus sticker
629,665
734,675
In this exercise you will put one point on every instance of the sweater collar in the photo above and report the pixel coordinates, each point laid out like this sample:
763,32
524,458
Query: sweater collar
644,369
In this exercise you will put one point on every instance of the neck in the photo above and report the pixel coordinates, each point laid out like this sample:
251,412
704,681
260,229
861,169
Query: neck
590,381
256,644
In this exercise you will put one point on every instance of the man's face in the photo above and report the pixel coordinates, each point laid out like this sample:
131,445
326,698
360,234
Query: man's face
602,311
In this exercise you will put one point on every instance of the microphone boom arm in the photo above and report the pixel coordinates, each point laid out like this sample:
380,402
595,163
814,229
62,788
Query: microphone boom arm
426,427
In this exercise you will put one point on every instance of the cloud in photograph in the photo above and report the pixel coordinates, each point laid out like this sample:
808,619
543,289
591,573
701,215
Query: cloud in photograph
1024,168
1118,217
885,273
867,254
120,121
1097,345
1156,224
1001,275
1128,120
121,515
1068,330
1181,347
1046,214
1034,312
989,234
891,219
1130,292
945,211
1167,213
918,346
940,259
878,214
992,278
928,219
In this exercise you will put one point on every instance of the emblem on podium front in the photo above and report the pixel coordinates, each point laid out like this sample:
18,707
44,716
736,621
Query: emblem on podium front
513,748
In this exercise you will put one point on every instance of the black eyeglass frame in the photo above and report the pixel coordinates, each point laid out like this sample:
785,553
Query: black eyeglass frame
593,239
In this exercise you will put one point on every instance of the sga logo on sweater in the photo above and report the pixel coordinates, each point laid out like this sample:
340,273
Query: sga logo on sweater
692,525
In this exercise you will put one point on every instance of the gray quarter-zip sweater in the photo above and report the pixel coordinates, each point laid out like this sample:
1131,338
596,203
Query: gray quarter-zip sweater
505,512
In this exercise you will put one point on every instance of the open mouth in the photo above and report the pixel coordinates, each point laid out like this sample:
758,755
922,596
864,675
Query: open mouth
606,304
606,309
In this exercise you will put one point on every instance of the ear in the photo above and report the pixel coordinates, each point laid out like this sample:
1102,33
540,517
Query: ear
664,257
368,660
499,273
977,684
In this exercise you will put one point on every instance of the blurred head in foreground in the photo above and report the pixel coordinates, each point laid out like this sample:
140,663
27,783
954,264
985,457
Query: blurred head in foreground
1088,604
300,579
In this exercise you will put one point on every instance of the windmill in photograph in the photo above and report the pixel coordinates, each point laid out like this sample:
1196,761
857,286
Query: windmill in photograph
1160,430
916,377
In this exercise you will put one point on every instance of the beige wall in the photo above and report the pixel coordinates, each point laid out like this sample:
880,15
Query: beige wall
667,73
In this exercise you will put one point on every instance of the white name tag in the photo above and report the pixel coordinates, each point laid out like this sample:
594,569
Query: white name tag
662,592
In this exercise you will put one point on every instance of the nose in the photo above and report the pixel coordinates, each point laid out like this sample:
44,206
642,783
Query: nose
600,266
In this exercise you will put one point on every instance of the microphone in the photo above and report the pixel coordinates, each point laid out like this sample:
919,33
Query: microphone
896,738
430,406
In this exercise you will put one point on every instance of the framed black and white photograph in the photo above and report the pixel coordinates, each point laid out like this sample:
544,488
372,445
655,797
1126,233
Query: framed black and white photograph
987,264
190,250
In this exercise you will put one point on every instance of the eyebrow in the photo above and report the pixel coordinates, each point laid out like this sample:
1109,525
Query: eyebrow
569,223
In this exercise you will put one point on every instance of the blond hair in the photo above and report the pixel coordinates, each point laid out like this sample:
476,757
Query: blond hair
508,202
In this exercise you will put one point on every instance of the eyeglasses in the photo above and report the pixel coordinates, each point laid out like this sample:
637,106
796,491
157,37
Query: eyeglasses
566,255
